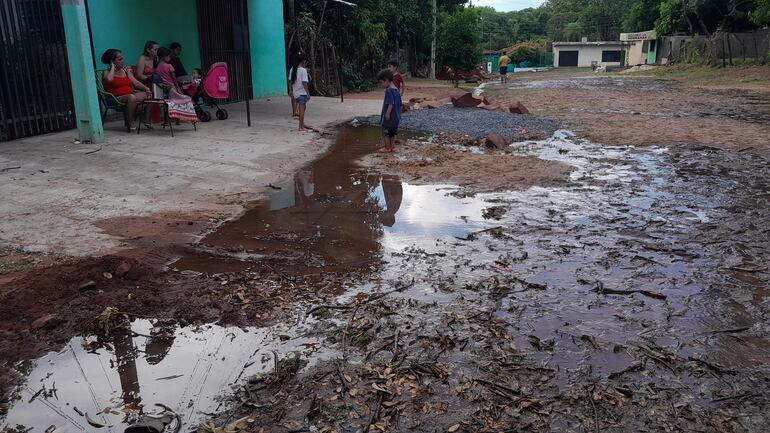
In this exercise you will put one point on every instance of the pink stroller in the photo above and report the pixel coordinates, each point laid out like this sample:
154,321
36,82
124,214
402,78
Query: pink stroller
215,85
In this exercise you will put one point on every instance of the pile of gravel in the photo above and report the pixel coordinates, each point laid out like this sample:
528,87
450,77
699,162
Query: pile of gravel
473,122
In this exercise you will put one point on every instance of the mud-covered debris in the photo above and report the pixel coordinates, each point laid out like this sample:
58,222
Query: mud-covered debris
86,286
122,270
518,108
466,101
495,141
47,321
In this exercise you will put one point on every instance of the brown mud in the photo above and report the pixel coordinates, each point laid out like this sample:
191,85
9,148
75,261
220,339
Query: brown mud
631,295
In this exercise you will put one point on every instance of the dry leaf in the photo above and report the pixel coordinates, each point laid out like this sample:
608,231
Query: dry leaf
454,428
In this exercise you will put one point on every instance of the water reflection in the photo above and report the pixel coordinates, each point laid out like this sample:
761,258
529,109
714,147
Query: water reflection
117,378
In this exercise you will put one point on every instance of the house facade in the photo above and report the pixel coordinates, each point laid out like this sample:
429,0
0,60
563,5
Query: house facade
49,51
586,54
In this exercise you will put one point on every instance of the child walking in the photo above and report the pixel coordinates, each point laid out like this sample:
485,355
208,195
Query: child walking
300,89
391,110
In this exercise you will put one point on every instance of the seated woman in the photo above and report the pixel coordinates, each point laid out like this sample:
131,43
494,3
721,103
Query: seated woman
145,65
120,81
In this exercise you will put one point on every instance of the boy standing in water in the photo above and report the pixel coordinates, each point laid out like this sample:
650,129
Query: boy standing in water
398,79
391,110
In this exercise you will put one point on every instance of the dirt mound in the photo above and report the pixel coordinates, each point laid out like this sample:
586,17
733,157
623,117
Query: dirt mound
419,163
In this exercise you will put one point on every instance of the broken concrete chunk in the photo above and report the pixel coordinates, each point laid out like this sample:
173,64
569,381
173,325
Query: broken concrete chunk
47,321
518,108
466,101
495,141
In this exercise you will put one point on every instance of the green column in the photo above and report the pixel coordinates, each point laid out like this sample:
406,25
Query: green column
266,39
81,63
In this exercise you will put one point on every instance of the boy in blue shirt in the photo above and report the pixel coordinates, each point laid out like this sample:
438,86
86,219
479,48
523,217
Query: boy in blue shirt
391,110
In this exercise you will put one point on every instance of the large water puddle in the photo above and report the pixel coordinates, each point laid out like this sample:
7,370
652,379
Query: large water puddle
647,250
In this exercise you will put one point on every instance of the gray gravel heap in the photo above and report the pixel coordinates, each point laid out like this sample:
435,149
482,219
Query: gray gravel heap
473,122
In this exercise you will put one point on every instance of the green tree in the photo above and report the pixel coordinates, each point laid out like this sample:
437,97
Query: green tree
642,15
458,43
761,15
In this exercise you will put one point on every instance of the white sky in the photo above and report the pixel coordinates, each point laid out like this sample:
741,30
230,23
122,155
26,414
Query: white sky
508,5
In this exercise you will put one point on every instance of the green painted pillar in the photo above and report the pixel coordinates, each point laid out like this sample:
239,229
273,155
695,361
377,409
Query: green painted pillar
81,63
266,40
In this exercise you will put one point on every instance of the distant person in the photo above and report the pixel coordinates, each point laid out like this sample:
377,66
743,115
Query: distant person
176,62
145,65
166,70
120,81
391,111
398,79
191,88
300,89
503,63
293,56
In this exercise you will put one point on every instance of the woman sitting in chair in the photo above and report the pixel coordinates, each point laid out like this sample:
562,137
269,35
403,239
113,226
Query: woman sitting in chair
146,63
120,81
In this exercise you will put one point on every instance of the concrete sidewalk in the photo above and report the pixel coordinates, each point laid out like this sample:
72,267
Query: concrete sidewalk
55,200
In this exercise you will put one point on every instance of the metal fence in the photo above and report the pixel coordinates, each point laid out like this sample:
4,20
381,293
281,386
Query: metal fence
35,90
224,37
720,48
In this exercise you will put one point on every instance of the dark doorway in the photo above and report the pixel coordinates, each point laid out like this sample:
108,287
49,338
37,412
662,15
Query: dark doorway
611,56
568,58
35,89
223,29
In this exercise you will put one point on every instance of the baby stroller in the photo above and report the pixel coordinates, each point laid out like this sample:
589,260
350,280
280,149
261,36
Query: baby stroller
214,85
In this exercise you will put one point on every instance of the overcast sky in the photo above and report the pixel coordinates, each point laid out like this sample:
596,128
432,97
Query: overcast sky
508,5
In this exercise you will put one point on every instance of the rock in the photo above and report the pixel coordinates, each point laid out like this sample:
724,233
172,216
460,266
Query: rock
495,141
518,108
406,107
491,107
47,321
122,270
88,285
466,101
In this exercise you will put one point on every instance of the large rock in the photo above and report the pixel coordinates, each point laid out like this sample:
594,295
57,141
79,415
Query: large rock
518,108
466,101
495,141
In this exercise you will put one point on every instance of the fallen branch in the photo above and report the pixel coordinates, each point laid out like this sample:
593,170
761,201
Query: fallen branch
3,170
93,151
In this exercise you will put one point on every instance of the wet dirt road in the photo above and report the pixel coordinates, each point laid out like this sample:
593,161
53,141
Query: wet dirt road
633,297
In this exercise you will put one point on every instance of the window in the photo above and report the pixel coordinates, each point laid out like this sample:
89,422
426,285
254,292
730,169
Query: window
611,56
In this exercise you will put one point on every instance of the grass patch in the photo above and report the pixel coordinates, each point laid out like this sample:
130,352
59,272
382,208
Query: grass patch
6,268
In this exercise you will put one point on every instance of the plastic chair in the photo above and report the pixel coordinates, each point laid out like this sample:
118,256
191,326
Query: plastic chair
109,101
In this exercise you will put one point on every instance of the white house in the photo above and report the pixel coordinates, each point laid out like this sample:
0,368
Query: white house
585,54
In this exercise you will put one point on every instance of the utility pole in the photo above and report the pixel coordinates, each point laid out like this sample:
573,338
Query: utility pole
433,43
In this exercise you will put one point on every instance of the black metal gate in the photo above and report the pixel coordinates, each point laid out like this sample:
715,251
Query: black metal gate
223,29
35,90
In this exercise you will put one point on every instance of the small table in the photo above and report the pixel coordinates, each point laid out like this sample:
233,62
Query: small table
155,102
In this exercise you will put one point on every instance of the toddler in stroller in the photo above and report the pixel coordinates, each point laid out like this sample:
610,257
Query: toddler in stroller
212,86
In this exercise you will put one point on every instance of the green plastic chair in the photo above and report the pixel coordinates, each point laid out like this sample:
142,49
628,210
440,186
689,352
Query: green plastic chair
107,100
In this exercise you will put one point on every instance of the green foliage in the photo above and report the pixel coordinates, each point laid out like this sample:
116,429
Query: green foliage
458,42
525,54
355,80
670,19
761,15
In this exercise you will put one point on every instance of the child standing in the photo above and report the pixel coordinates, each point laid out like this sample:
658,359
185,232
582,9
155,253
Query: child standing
300,89
398,79
165,70
391,110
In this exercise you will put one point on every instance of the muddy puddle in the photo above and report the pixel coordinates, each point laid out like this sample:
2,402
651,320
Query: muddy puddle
633,298
120,380
599,83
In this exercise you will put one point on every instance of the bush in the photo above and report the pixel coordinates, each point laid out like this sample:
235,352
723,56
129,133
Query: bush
354,80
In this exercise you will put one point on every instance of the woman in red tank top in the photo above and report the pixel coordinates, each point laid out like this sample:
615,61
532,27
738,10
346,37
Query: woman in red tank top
120,81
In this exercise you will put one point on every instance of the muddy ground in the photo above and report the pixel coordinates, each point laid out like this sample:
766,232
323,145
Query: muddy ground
560,285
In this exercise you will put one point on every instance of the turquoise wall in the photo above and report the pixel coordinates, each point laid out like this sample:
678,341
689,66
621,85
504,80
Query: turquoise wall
128,24
268,59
